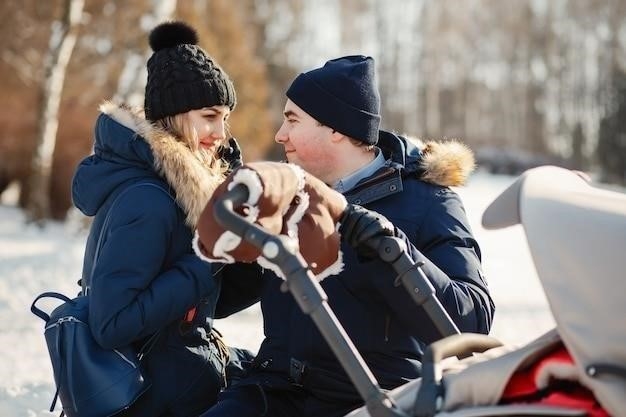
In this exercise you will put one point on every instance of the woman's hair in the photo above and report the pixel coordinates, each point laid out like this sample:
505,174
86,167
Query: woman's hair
181,129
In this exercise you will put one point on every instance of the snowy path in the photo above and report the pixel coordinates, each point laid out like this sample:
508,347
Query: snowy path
34,260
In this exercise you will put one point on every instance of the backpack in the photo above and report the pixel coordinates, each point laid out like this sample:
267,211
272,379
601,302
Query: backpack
91,381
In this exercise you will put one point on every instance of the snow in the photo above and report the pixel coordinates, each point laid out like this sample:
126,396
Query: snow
34,260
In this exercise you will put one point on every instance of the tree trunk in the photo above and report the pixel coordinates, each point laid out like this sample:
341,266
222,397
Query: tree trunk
132,81
432,48
62,41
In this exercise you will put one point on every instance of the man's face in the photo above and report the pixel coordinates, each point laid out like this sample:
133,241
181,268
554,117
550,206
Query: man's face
307,143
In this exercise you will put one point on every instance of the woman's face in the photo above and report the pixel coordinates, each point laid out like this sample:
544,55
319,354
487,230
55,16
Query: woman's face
209,125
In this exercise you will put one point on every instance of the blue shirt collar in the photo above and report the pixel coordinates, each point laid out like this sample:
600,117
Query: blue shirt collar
349,182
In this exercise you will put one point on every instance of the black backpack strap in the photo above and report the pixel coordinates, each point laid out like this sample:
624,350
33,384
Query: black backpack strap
70,365
108,217
39,312
149,344
57,378
46,317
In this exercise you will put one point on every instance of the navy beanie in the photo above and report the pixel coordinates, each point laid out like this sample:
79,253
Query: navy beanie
342,95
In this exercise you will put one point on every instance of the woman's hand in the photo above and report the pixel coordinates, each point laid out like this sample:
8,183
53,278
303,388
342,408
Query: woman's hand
231,153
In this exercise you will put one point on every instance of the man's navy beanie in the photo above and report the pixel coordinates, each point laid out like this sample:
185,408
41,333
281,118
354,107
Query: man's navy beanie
342,95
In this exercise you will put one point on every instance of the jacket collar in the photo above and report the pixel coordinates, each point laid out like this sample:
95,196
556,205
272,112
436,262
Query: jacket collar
445,164
192,183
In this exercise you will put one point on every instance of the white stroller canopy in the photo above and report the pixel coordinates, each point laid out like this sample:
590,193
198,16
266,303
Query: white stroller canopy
577,238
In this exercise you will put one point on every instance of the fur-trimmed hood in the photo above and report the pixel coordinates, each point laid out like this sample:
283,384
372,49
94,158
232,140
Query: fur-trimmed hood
128,147
446,163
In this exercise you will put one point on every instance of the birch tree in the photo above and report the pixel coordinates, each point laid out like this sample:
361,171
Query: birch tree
62,41
132,80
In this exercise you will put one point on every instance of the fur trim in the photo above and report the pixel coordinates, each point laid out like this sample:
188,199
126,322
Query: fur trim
252,182
334,269
302,206
447,163
296,216
559,371
228,240
265,264
191,181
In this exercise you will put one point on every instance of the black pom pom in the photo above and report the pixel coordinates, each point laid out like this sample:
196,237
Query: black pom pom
170,34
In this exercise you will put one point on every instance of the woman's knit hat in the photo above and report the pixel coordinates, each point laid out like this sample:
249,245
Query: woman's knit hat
342,95
181,75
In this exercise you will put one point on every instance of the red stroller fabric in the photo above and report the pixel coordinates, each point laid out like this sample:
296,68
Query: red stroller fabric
527,386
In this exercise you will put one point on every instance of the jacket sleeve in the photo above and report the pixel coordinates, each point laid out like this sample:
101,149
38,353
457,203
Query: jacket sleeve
132,293
451,258
242,284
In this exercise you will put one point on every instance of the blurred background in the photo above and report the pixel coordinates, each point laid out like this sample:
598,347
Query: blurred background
522,82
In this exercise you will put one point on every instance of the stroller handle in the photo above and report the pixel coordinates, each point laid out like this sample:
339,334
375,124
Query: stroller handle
309,295
429,398
411,275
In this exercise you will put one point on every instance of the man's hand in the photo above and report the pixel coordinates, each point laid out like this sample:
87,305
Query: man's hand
360,227
231,153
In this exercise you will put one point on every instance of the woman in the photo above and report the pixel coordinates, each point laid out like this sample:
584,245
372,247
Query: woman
146,286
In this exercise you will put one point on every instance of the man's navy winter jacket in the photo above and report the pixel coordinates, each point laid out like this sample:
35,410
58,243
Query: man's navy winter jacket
386,325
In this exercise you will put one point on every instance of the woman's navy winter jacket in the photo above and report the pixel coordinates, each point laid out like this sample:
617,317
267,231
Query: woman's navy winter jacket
146,279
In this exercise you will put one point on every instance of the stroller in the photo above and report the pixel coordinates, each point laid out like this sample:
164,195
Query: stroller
577,237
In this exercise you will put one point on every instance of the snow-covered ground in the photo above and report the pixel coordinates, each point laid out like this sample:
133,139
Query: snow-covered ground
34,260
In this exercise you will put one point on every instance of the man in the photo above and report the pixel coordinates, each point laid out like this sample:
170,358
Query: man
331,129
